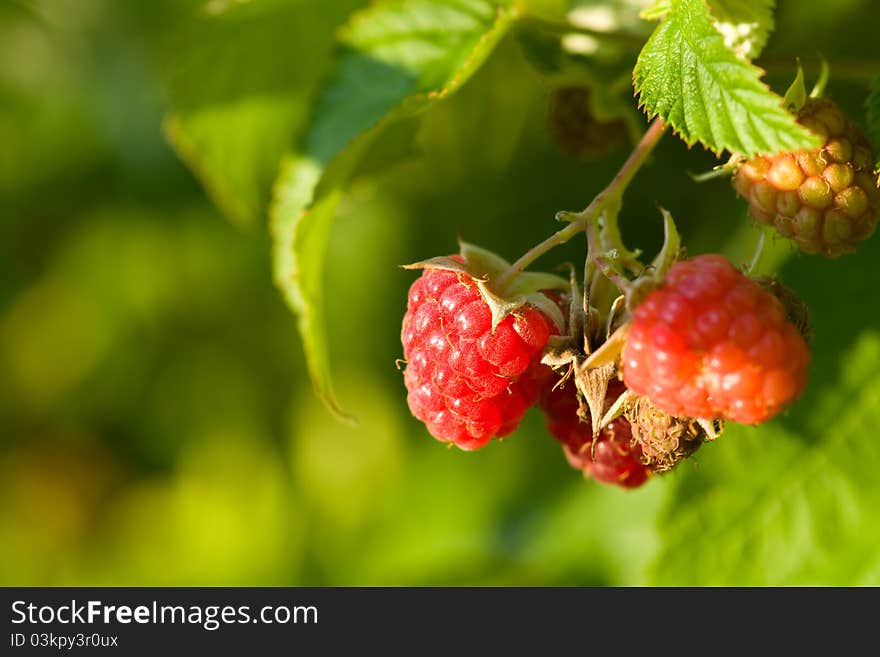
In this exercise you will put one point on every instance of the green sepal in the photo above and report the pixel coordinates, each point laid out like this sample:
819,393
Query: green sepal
485,267
671,246
482,262
822,81
796,95
441,262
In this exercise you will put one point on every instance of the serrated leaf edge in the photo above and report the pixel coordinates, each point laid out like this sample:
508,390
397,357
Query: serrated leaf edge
690,140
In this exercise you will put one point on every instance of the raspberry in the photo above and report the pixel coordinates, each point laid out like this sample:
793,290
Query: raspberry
577,131
617,460
711,343
826,199
466,382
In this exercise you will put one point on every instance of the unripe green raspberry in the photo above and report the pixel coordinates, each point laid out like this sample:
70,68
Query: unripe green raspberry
827,199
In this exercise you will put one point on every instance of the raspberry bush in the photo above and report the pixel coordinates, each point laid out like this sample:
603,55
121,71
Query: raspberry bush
668,323
678,345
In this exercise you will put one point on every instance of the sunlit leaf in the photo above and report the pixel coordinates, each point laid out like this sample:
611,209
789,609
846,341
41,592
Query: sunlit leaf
688,76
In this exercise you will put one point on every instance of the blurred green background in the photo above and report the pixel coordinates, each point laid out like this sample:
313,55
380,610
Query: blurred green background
157,426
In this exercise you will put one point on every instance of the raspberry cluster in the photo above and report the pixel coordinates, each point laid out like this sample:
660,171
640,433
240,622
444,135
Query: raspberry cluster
639,366
705,344
825,199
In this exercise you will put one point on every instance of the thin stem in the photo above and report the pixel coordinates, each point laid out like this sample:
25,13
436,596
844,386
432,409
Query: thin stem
634,162
759,250
595,254
611,194
589,269
720,171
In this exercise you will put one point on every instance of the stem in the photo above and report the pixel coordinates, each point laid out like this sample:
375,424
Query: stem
759,250
611,194
594,254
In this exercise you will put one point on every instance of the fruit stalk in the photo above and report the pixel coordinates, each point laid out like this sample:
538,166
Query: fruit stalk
608,197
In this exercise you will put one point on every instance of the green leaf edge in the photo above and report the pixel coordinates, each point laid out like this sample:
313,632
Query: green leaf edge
285,230
809,140
185,148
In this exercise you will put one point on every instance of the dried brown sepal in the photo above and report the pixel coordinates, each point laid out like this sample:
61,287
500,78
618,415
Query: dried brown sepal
592,383
665,440
796,310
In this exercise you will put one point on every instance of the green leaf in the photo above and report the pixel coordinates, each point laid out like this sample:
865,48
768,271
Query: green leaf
874,117
744,24
657,10
394,60
237,99
796,95
671,246
691,79
767,506
303,262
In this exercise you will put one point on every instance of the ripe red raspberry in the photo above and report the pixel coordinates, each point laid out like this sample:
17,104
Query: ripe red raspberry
466,382
711,343
617,460
826,199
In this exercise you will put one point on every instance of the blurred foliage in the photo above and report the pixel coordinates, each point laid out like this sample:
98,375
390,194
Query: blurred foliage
157,425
